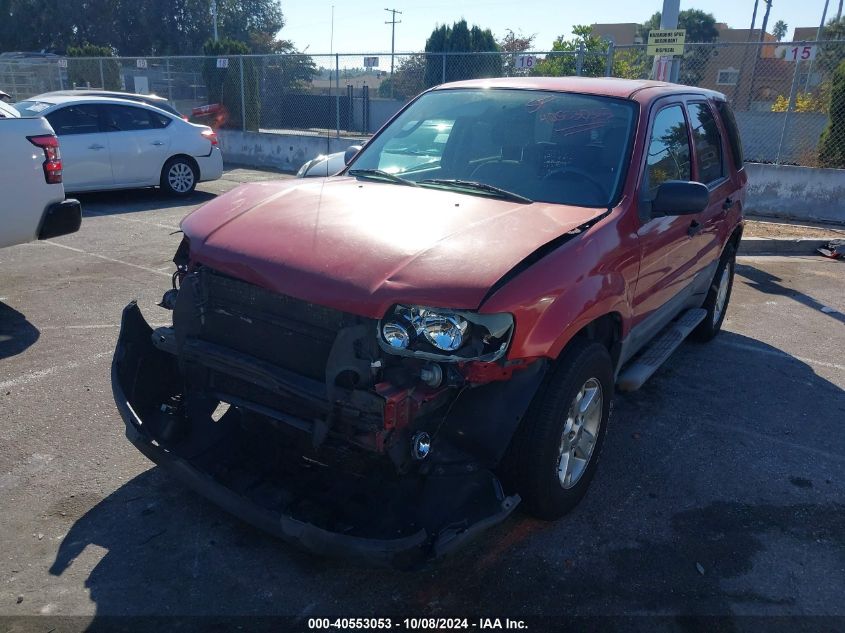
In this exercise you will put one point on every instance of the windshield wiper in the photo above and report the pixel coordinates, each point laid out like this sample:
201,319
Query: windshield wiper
378,174
478,186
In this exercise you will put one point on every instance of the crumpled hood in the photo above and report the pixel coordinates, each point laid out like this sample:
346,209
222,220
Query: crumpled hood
361,246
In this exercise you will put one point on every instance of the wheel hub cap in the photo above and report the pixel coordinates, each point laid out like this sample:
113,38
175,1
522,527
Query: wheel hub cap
180,177
580,432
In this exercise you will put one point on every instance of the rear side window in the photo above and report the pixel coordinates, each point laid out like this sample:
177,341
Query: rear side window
128,118
75,119
734,140
668,150
708,143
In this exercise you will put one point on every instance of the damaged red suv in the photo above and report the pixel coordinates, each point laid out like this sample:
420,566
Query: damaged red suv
386,362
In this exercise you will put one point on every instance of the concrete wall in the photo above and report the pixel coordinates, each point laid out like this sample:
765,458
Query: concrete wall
285,152
797,193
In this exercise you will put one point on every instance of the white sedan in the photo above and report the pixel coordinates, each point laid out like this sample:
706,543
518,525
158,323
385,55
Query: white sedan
115,144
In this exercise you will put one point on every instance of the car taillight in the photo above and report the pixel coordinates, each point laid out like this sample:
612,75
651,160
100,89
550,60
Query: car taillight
211,135
52,157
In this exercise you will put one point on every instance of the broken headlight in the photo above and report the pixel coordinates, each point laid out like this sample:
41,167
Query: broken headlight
442,334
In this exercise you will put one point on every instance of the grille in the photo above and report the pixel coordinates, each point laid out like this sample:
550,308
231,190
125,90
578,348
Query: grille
287,332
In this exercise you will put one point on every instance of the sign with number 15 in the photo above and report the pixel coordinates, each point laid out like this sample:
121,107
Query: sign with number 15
797,52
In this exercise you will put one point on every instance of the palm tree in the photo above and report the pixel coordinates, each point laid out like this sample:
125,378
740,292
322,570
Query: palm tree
780,29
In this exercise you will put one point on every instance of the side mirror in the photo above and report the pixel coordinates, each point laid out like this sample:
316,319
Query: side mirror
680,197
350,153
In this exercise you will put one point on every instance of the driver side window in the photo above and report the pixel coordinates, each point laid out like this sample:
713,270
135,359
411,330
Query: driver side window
668,150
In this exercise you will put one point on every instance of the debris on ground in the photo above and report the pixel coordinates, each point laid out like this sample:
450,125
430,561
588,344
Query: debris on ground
700,568
835,249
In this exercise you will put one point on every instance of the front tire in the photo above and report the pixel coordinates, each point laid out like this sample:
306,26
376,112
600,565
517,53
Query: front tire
718,297
179,177
554,453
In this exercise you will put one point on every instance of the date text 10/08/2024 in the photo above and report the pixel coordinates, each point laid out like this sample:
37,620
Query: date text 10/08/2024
416,624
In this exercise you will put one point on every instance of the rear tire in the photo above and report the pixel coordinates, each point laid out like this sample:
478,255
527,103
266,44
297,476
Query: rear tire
718,297
553,455
179,176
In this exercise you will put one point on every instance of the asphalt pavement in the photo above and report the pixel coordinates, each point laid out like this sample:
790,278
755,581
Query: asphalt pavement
720,491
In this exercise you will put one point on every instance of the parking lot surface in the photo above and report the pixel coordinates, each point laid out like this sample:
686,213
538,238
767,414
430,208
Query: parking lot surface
720,491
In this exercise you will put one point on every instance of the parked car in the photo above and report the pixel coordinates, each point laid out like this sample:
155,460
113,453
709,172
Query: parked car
153,100
324,165
33,204
8,112
4,96
112,144
387,362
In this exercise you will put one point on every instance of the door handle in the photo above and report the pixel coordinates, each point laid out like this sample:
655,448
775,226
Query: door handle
96,146
157,143
727,204
694,228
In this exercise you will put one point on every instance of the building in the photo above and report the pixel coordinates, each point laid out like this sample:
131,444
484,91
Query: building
620,34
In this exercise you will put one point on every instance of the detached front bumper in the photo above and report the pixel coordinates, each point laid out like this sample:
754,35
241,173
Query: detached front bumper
398,521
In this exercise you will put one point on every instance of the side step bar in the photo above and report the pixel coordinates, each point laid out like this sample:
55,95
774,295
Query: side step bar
640,369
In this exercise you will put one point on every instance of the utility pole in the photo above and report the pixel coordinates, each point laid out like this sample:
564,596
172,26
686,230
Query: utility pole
392,22
214,17
669,20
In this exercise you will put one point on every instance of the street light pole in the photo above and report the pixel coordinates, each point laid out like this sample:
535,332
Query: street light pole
392,22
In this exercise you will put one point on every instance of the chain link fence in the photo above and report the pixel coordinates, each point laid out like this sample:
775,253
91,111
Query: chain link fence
789,98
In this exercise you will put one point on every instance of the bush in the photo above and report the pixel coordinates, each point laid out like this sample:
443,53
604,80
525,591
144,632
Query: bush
832,143
224,84
84,73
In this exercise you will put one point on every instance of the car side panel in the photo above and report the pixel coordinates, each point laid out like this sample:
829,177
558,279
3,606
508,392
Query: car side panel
586,278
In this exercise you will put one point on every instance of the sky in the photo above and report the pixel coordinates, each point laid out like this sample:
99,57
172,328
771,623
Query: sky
359,26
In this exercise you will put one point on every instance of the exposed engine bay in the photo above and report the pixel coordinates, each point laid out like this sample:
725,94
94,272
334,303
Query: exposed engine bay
334,430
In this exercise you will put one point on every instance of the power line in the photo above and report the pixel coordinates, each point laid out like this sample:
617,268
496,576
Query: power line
393,22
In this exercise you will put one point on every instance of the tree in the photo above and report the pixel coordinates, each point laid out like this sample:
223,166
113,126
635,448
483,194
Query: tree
779,30
514,44
832,142
830,55
407,81
152,27
700,26
563,60
459,38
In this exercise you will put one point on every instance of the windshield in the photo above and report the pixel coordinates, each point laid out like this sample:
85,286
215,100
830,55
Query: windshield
544,146
32,108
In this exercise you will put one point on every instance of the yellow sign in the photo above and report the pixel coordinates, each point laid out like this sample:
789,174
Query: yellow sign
666,43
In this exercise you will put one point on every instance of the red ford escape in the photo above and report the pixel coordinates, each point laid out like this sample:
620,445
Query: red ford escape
384,363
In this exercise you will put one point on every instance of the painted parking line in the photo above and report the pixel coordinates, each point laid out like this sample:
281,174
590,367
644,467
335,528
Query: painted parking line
108,259
34,376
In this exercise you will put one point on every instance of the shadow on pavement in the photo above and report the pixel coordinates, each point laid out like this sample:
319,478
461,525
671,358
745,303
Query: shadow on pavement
16,333
137,200
631,547
770,284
